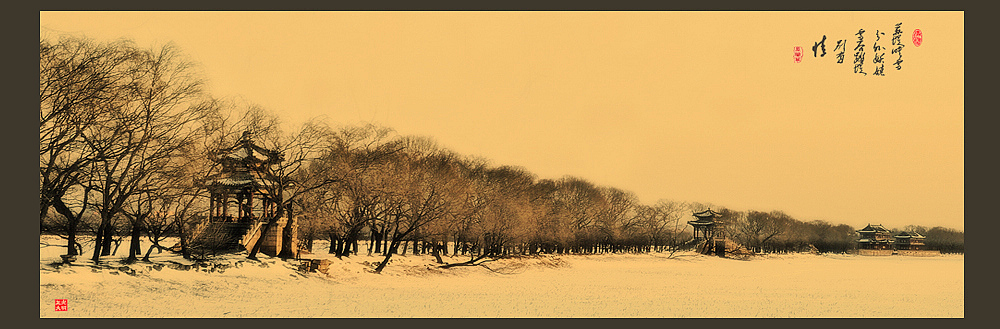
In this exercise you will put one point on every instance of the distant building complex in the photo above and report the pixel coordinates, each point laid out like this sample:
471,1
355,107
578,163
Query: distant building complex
875,237
876,240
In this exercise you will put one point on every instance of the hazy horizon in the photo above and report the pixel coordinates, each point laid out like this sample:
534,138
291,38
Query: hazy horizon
687,106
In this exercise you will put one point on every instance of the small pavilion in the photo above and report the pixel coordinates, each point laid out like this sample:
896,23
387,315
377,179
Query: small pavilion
707,226
245,178
240,200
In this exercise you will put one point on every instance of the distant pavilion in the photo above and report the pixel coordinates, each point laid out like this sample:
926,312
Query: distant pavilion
707,226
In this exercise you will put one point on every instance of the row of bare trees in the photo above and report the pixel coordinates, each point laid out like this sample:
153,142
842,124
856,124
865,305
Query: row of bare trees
113,120
127,136
776,231
403,190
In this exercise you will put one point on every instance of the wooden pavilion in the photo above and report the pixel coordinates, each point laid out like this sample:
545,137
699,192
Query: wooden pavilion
709,232
707,224
240,198
245,177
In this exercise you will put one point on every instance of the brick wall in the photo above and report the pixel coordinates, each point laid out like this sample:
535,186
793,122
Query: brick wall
919,253
874,252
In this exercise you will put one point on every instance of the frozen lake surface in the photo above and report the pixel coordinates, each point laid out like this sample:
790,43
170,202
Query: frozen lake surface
643,285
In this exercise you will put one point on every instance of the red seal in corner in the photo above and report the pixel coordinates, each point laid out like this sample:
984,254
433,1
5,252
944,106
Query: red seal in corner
918,37
797,54
62,305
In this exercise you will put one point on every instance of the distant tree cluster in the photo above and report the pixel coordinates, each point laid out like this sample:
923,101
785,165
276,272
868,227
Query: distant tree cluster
776,231
126,137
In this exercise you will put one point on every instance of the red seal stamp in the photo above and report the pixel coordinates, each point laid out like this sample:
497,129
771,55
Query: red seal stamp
62,305
797,54
918,37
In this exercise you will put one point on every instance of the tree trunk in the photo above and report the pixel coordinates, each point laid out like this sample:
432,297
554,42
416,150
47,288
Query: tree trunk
287,239
99,239
405,244
385,239
388,255
444,245
470,262
118,243
150,251
436,252
73,223
333,243
134,247
108,234
185,252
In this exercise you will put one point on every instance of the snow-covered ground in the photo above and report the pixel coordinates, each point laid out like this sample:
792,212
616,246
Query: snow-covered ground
647,285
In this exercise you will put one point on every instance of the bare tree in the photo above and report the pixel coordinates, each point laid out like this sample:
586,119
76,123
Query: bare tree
617,218
755,229
146,127
79,81
358,161
426,192
662,222
583,202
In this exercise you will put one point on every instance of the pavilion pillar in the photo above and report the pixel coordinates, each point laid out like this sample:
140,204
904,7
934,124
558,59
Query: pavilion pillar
250,206
239,206
225,204
264,206
211,208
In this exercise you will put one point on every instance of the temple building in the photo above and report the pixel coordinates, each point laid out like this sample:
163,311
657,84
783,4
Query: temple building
875,237
909,241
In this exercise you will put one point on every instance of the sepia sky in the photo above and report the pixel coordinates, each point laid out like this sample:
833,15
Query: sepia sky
687,106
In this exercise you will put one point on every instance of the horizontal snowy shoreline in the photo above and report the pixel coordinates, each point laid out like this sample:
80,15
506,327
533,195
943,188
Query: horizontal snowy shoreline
607,285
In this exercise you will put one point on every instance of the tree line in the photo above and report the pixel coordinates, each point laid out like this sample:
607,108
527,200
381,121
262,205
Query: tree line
127,134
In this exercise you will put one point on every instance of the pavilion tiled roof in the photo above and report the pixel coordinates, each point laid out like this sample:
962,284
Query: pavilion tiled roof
245,149
708,213
706,217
